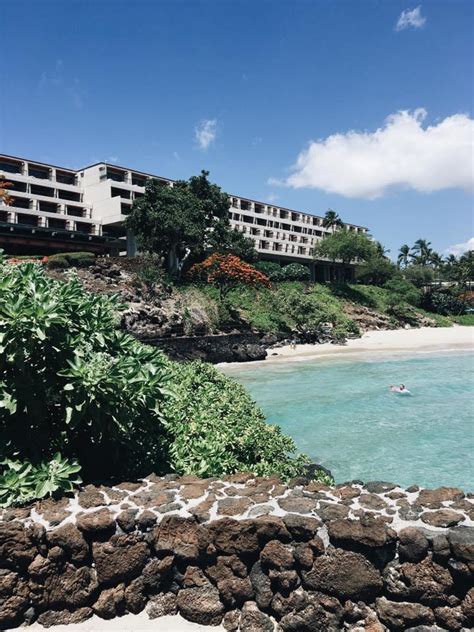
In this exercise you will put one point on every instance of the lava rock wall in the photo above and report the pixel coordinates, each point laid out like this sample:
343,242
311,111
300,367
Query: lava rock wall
289,557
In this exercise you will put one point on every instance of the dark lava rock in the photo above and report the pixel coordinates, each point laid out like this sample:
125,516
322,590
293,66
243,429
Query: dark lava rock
271,528
379,487
451,618
332,511
413,545
237,537
231,621
70,588
91,497
277,555
95,522
313,618
461,540
252,619
201,605
64,617
182,537
146,520
126,519
441,548
300,505
345,574
71,540
122,557
111,602
301,528
17,545
426,582
161,605
364,534
401,615
262,586
433,498
442,518
14,593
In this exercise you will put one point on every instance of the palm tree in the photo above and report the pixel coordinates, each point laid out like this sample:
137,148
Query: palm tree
404,256
436,260
422,251
381,250
332,220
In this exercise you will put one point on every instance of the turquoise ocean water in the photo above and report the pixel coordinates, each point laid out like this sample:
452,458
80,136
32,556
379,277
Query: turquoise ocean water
342,415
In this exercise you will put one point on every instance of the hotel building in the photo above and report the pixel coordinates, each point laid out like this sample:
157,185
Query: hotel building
55,209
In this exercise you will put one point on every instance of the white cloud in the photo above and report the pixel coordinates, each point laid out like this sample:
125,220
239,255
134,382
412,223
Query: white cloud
205,133
272,197
56,79
459,249
410,19
401,153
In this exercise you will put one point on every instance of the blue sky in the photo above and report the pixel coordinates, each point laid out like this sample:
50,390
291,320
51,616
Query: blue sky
280,100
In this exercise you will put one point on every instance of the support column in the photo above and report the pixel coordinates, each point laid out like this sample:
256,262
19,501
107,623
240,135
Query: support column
131,244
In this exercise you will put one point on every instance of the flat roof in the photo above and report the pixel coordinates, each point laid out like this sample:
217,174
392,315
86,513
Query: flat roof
153,175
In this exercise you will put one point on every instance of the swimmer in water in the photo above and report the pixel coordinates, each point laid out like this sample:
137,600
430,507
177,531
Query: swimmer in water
398,389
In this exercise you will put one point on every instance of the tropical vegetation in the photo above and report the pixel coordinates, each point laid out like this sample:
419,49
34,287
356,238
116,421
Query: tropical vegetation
77,393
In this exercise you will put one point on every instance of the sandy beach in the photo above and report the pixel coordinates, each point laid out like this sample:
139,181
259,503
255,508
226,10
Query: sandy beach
131,623
425,339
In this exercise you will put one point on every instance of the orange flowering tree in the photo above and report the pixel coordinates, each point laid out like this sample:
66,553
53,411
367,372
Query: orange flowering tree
226,272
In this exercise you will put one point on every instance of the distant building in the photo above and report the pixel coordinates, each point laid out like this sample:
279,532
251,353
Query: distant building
56,209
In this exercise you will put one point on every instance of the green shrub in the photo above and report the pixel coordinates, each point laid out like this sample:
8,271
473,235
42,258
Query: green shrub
80,259
296,272
70,381
444,302
71,259
22,482
215,428
404,291
271,269
376,271
419,275
153,279
464,319
58,262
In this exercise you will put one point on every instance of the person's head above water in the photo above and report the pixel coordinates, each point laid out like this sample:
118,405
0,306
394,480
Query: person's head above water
402,387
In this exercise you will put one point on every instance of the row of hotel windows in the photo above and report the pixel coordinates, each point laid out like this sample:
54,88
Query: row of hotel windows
41,206
38,171
248,219
24,219
285,248
270,234
37,189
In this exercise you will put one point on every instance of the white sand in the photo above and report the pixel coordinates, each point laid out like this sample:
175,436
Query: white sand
130,623
424,339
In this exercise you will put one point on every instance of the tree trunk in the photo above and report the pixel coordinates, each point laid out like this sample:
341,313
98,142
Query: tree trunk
172,261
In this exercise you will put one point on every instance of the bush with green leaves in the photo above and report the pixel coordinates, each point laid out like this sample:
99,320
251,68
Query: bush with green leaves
403,290
419,275
214,428
443,301
22,481
152,278
70,381
296,272
271,269
70,260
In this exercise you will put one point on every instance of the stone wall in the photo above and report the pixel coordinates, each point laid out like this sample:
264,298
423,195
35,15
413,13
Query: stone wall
252,553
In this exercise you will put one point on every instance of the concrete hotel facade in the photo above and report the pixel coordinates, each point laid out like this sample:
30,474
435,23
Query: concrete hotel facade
57,209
